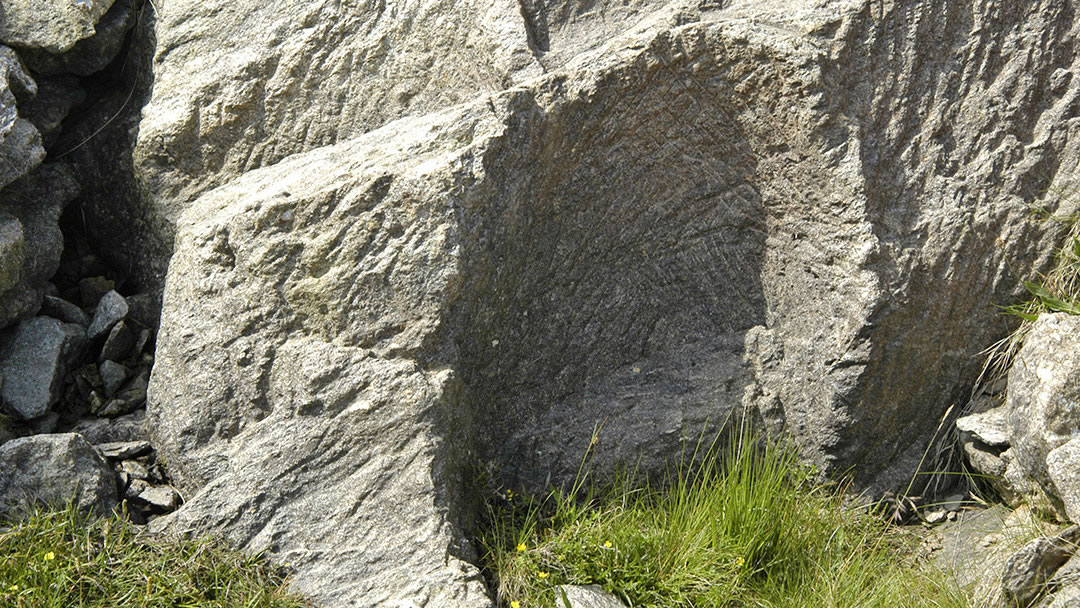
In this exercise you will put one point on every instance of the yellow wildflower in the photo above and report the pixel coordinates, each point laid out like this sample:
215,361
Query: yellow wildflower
607,544
739,563
515,604
521,547
13,588
50,556
542,574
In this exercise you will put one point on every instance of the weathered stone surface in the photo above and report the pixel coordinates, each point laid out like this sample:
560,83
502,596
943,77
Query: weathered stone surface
266,104
51,25
1029,569
1063,469
122,450
52,104
118,344
585,596
59,308
90,54
131,427
12,251
37,200
20,143
31,207
54,469
1066,597
34,356
130,398
973,550
159,499
599,246
990,427
111,309
113,375
1043,402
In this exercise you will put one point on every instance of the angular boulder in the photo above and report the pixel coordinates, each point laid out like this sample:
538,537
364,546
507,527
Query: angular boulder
34,357
314,73
55,469
1043,409
90,54
51,25
764,206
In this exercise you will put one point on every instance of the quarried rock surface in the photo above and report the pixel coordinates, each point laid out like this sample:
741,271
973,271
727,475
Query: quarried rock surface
311,74
301,393
803,208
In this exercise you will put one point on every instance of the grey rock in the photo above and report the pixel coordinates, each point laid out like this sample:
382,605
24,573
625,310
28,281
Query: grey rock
142,342
135,470
990,427
110,310
119,343
747,205
113,375
54,101
34,357
145,309
20,142
112,213
53,469
93,289
1044,388
124,450
67,312
1063,468
12,251
36,201
51,25
1066,597
585,596
43,425
131,427
90,54
129,399
415,62
159,499
1029,569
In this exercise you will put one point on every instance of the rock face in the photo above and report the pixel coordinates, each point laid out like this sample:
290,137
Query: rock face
53,469
51,25
310,74
1038,427
805,209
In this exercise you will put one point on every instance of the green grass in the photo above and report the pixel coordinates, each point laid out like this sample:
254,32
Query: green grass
747,528
62,559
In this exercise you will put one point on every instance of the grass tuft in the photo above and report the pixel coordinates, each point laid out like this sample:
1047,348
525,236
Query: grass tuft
744,527
64,559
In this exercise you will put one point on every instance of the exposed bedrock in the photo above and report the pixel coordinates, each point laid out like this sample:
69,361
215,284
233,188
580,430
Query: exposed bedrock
241,85
809,210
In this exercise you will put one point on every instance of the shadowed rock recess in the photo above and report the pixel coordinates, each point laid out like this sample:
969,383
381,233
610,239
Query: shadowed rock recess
640,217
